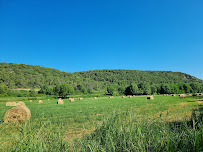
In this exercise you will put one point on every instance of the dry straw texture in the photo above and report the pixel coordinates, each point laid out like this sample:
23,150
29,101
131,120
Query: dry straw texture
18,113
10,103
40,101
123,96
95,97
130,96
60,101
182,96
80,98
20,104
150,98
30,100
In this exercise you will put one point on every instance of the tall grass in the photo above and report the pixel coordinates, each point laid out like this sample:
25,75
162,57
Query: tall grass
38,136
124,132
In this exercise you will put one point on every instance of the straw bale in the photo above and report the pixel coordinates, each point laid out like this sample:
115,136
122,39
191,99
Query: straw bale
95,97
60,101
123,96
71,100
10,104
40,101
20,104
150,98
80,98
130,96
173,95
18,113
182,96
30,100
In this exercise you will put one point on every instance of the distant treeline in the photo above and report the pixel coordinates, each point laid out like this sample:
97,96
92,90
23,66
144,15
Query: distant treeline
121,81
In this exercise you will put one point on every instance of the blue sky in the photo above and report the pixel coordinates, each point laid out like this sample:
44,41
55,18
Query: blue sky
83,35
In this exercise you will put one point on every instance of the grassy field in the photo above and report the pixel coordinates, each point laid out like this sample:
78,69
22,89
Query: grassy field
119,124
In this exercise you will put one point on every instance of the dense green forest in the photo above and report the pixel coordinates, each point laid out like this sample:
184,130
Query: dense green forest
55,82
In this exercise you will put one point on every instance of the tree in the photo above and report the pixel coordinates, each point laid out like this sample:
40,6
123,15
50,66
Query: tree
3,89
110,90
165,88
153,89
145,87
132,89
121,90
63,90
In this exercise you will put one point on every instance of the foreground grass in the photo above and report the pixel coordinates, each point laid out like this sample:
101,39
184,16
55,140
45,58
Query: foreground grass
91,125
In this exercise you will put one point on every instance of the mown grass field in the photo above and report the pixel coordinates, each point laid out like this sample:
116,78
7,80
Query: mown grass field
119,124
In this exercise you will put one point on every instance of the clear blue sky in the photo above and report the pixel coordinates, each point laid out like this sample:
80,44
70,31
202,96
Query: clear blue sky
82,35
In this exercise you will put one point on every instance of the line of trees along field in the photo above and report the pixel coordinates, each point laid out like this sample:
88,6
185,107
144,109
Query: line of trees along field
114,82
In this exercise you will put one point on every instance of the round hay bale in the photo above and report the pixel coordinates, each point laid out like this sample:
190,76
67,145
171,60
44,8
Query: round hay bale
95,97
173,95
80,98
182,96
18,113
130,96
48,99
71,100
110,97
134,96
11,104
20,104
30,100
60,101
40,101
150,98
123,96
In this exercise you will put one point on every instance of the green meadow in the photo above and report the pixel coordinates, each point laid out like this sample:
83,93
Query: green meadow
118,124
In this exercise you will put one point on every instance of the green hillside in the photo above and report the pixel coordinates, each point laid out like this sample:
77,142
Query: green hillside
125,77
29,76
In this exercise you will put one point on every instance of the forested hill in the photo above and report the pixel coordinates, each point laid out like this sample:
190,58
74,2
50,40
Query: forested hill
29,76
125,77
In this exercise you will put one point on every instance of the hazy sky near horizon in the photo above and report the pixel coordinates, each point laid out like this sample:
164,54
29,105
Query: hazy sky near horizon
83,35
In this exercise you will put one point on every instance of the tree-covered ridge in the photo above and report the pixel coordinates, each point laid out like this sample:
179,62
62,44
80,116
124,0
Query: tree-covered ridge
29,76
126,77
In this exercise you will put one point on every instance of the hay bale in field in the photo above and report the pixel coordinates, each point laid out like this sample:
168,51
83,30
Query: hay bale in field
150,98
80,98
48,99
18,113
134,96
10,104
20,104
60,101
123,96
40,101
71,100
95,97
129,96
30,100
182,95
173,95
110,97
